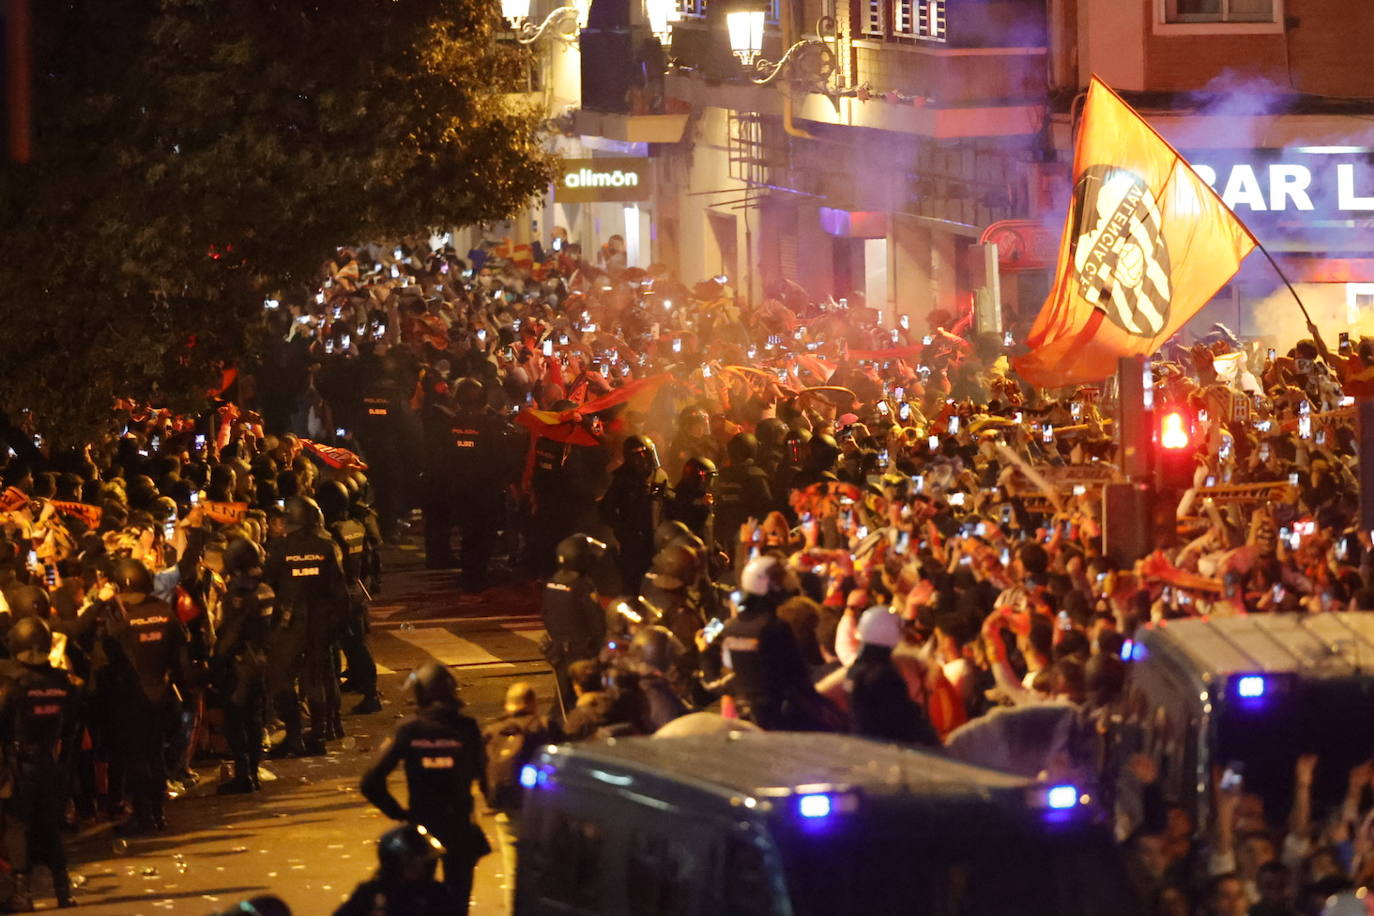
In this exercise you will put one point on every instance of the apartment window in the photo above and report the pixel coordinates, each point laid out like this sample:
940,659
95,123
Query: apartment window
871,18
1221,10
692,9
917,19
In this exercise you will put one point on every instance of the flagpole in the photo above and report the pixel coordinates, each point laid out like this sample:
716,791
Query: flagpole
1282,276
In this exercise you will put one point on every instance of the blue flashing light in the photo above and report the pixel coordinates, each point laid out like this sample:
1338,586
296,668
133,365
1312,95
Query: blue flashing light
1250,687
814,806
529,776
1061,797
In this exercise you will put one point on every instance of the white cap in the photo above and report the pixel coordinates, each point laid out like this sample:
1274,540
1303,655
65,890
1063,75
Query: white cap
760,575
880,627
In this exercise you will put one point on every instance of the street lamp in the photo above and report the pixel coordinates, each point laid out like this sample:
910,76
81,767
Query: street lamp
662,14
515,12
746,41
746,34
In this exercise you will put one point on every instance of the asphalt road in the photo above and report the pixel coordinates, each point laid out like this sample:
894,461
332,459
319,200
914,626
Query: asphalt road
309,836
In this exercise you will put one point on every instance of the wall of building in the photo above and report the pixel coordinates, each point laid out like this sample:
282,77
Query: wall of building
1329,47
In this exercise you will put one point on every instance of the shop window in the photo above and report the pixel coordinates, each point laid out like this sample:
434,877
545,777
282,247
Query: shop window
1221,11
919,19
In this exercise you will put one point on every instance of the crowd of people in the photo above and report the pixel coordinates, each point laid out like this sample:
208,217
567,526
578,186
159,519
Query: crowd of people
794,513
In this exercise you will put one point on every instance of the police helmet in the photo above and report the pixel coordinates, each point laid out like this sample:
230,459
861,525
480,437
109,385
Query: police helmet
694,417
242,555
30,640
640,454
742,448
362,494
770,432
655,649
675,565
761,576
406,848
668,531
303,514
580,553
332,498
689,540
132,579
470,394
697,474
432,683
29,601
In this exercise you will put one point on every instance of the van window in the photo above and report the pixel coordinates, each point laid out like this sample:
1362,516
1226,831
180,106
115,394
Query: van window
746,882
569,859
658,875
982,872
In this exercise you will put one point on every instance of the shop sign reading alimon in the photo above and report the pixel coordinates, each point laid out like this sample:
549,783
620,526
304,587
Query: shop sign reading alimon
623,178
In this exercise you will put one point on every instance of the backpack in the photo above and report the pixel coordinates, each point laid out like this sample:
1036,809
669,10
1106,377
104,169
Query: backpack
511,744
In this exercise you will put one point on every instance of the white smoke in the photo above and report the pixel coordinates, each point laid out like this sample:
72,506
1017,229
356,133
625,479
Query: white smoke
1278,318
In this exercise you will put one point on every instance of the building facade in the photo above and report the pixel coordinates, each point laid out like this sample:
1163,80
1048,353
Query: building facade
897,133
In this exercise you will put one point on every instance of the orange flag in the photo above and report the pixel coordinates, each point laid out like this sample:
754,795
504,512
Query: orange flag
1145,245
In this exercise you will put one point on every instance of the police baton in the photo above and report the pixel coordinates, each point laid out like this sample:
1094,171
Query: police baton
558,692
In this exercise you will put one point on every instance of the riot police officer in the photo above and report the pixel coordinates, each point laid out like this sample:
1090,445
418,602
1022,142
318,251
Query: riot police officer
655,656
564,483
437,498
304,569
146,647
633,505
669,586
742,491
772,684
471,487
38,724
239,660
380,431
443,755
351,537
573,616
693,500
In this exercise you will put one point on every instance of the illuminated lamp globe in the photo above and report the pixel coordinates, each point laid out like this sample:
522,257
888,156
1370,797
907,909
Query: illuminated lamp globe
515,11
746,34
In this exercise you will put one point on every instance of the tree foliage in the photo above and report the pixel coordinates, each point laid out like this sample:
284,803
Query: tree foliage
191,155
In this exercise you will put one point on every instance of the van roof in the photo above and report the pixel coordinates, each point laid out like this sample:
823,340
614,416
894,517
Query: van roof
1334,644
765,764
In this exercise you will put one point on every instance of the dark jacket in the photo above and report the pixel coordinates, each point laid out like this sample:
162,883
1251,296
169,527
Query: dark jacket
442,753
880,704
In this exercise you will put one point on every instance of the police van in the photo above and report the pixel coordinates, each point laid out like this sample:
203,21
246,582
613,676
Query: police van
792,824
1232,702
